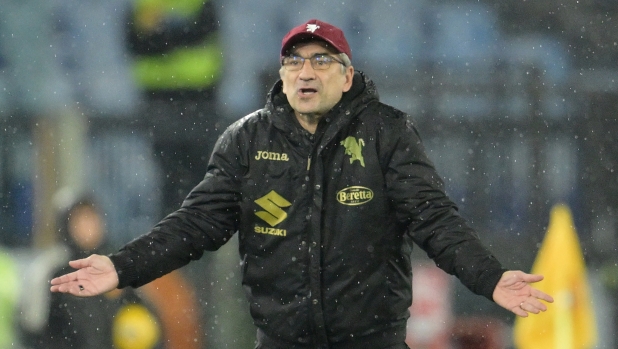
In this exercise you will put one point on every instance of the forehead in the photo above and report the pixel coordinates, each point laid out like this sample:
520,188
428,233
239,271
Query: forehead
312,46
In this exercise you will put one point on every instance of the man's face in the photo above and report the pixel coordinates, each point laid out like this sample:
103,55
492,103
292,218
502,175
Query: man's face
315,92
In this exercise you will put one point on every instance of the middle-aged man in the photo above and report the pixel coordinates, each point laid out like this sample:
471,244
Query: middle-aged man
328,190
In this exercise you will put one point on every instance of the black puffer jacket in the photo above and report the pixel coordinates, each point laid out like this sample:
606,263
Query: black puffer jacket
326,222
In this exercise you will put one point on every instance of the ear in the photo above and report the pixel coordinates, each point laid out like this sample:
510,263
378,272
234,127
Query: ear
349,77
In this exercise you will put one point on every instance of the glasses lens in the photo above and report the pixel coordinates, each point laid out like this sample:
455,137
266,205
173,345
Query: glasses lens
293,63
318,62
321,62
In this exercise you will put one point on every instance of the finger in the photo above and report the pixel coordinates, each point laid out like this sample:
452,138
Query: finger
542,295
519,311
530,307
532,278
64,278
62,287
539,305
75,288
535,304
80,263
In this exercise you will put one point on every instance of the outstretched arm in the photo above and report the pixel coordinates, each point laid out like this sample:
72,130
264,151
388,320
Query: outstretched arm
95,275
514,293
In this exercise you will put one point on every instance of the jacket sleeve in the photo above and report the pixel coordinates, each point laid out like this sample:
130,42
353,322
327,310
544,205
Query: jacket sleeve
432,219
206,220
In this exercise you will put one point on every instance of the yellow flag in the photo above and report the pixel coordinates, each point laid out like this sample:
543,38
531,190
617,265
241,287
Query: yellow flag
569,321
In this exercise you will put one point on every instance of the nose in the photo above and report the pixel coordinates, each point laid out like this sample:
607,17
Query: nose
307,71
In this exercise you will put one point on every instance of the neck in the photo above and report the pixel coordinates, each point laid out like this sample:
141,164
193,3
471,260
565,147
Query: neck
308,121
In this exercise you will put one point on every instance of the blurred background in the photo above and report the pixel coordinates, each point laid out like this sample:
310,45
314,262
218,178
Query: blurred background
123,99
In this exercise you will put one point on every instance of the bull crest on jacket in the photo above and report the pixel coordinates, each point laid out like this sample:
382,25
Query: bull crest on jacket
354,148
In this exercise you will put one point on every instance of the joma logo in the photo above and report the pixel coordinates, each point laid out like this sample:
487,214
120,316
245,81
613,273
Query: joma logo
269,155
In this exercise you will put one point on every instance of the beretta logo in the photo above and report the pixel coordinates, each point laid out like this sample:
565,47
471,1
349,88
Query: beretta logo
354,196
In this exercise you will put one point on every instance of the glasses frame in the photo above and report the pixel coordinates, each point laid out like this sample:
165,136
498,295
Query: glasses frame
313,60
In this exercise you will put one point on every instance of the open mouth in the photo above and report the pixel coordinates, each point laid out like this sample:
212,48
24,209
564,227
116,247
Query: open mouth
307,91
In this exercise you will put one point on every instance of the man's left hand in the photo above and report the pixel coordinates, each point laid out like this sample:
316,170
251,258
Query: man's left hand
514,293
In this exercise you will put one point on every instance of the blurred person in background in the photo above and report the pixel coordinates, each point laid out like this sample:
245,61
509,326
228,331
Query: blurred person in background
9,296
119,319
328,189
177,62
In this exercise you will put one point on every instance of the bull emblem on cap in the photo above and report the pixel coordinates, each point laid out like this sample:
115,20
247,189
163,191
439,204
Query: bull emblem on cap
354,148
312,27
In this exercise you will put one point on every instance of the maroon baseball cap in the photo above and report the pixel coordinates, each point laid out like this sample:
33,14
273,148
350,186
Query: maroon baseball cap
316,29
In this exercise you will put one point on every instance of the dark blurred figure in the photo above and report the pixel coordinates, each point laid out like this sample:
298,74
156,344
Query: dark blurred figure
119,319
177,64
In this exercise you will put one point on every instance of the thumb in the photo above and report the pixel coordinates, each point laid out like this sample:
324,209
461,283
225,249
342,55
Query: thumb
81,263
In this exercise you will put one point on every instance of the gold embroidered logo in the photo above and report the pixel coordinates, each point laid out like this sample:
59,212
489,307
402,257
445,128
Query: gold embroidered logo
273,214
354,148
354,196
269,155
270,231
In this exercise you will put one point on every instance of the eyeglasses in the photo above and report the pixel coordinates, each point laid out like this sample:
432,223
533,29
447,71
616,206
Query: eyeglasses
318,62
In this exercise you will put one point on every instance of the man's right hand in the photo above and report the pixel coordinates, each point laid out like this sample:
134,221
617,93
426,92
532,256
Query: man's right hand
95,275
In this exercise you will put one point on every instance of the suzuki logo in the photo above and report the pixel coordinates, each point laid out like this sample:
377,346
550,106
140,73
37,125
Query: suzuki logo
272,204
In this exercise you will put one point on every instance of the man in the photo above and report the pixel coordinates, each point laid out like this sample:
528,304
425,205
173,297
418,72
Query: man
327,188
